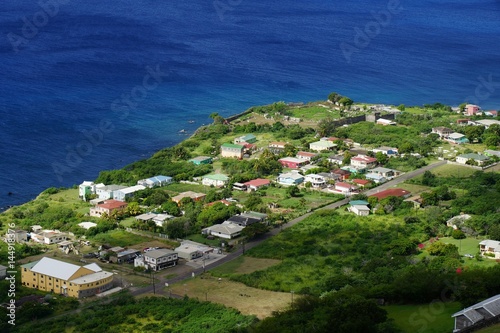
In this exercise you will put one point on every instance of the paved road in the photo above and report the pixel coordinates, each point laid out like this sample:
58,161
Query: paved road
160,285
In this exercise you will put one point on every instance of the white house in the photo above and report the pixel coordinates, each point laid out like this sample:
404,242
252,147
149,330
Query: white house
385,122
362,161
389,151
155,181
479,159
159,259
191,250
375,177
87,225
315,180
106,192
322,145
344,188
217,180
49,237
360,210
225,230
86,188
290,178
127,192
491,247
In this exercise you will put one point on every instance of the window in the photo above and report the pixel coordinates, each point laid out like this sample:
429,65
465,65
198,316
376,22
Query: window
50,279
25,269
57,280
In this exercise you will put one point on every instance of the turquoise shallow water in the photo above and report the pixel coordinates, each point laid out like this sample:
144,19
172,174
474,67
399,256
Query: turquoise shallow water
78,75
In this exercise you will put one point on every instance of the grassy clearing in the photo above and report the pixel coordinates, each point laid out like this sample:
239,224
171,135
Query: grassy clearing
450,170
249,301
181,187
426,318
244,265
315,113
118,238
492,329
467,245
414,189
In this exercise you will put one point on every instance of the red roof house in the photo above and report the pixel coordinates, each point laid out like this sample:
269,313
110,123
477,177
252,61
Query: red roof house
361,182
255,184
392,192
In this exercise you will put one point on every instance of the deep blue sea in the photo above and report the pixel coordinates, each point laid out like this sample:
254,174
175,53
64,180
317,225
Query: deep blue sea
84,69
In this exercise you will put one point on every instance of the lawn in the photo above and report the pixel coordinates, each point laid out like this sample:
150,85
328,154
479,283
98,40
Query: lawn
182,187
118,238
249,301
465,246
314,113
450,170
244,265
492,329
426,318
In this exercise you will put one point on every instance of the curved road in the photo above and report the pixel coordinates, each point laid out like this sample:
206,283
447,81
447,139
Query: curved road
238,252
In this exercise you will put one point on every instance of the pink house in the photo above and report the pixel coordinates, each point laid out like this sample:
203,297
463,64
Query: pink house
471,109
344,188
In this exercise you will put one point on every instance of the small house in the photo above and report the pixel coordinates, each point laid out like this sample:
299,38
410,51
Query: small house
108,207
478,159
389,151
277,147
471,109
343,174
361,182
232,150
315,180
385,122
304,155
322,145
442,131
490,247
292,162
200,160
290,178
364,162
87,225
217,180
160,259
189,194
248,138
155,181
189,250
392,192
344,188
226,230
360,210
457,138
486,310
128,192
258,183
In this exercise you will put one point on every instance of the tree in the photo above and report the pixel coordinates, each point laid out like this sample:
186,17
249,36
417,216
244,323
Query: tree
334,97
474,133
401,107
461,107
253,201
428,179
293,191
347,158
381,158
442,249
494,232
170,207
346,101
177,228
254,230
458,234
326,126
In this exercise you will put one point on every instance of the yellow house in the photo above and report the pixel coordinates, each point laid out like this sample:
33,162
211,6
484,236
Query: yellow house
64,278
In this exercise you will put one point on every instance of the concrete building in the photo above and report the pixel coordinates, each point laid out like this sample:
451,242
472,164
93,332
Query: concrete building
60,277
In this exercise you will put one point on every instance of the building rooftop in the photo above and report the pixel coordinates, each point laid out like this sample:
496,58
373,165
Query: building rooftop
217,176
112,204
91,278
231,145
155,254
392,192
54,268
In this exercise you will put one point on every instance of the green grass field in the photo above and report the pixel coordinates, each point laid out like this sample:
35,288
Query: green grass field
119,238
450,170
315,113
426,318
244,265
491,329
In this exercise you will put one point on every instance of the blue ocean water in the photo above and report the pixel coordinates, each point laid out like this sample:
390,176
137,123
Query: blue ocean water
85,67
